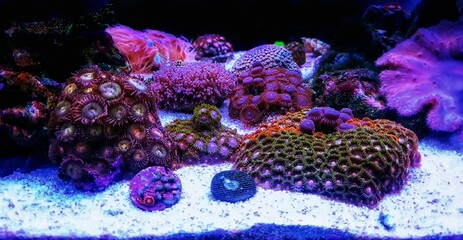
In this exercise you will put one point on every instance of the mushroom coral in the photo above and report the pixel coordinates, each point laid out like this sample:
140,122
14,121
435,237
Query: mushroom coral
427,70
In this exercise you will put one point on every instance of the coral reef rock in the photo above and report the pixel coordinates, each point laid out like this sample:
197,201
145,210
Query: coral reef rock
106,123
329,153
203,139
262,92
269,55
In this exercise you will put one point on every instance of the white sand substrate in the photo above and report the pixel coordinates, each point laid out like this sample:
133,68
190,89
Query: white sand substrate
39,203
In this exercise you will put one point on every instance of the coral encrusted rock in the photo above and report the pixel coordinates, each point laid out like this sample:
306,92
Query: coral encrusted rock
260,93
203,139
359,163
106,123
155,189
212,47
269,55
233,186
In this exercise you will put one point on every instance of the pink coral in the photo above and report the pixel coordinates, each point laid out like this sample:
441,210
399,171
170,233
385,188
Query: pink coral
182,87
427,69
147,50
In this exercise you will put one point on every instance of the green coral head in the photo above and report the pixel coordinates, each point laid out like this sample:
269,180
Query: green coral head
206,116
279,43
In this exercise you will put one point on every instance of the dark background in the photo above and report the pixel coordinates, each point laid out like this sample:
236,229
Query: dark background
245,24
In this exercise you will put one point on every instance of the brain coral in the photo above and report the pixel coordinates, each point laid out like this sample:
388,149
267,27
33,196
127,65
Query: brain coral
203,139
269,55
233,186
183,86
260,93
155,189
106,122
358,166
427,69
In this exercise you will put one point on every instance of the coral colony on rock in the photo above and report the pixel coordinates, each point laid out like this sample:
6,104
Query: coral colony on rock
203,139
147,110
105,123
328,152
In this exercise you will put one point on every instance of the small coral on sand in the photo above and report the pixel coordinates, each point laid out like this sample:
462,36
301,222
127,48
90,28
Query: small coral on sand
155,189
203,139
327,152
183,86
427,69
106,123
213,47
233,186
147,50
260,93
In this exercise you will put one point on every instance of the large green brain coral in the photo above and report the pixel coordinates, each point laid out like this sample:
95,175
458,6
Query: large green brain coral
359,166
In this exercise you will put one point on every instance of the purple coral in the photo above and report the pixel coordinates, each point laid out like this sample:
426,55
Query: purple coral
155,188
212,47
203,139
183,87
271,56
427,69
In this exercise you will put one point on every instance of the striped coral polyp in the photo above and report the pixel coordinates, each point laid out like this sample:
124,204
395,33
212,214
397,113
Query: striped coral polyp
110,90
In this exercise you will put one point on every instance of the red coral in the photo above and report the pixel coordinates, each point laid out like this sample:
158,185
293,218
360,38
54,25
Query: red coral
147,50
427,69
261,93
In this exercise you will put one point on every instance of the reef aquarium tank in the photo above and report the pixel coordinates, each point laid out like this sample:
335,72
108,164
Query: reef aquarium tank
292,120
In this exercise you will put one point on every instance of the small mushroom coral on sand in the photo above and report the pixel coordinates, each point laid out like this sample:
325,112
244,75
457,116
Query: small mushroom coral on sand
427,69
